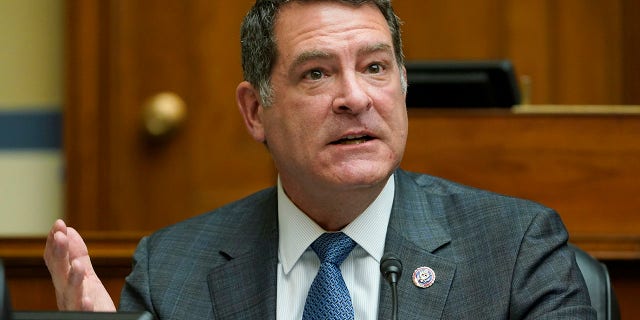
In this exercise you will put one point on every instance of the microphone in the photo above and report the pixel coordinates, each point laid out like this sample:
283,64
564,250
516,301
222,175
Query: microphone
391,269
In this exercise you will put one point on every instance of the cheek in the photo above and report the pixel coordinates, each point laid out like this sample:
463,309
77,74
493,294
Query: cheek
395,117
394,111
305,113
286,129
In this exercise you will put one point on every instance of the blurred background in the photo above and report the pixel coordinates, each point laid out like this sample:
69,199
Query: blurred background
31,100
119,116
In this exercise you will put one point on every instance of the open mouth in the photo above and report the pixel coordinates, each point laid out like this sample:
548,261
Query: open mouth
353,139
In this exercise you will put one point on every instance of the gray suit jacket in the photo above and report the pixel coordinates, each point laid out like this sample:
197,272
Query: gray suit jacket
494,257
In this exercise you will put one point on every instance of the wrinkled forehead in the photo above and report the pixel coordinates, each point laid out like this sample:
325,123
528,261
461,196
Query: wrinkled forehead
304,20
317,6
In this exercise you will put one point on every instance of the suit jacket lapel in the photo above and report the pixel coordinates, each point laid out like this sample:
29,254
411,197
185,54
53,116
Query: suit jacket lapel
245,286
417,230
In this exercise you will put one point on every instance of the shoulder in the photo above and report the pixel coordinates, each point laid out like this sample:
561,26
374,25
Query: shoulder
467,208
241,221
502,247
177,260
439,189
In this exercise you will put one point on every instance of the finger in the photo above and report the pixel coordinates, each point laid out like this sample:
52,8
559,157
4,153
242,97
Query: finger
73,291
59,263
57,259
86,293
78,249
87,304
76,274
52,248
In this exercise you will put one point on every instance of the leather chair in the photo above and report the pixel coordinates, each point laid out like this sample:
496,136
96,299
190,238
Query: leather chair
596,275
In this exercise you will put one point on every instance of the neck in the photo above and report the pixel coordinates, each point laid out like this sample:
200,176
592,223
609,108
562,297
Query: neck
333,210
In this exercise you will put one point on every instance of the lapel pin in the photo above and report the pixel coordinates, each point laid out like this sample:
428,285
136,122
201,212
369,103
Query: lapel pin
424,277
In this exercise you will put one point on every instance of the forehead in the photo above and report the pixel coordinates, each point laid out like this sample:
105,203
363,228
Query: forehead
330,23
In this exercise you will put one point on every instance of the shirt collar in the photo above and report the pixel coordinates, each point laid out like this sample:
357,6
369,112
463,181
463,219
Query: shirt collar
297,231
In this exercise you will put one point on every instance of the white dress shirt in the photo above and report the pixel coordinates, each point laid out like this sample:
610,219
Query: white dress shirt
298,264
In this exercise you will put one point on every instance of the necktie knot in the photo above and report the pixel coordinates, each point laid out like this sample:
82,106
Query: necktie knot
333,247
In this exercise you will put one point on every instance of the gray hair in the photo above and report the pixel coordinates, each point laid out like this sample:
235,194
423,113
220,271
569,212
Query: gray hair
259,49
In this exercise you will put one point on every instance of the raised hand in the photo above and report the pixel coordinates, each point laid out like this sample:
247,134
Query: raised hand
77,285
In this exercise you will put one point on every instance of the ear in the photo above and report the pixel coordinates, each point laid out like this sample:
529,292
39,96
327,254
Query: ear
250,107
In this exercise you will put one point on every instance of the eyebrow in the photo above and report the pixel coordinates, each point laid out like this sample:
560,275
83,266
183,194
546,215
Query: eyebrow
308,56
319,54
377,47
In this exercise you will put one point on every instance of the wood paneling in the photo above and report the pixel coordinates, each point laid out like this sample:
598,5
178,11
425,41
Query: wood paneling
587,53
631,51
29,282
82,118
120,54
626,283
583,165
573,51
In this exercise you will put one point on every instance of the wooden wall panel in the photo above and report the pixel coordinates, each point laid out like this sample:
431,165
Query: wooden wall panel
82,116
631,51
31,288
626,283
119,179
29,280
583,165
529,31
572,51
587,52
122,52
453,29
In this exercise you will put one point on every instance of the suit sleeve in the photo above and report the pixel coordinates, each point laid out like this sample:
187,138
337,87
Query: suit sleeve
135,294
547,283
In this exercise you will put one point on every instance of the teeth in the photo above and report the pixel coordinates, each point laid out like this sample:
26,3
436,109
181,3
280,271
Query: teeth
354,141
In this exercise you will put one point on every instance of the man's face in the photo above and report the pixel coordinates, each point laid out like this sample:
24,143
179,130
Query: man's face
338,118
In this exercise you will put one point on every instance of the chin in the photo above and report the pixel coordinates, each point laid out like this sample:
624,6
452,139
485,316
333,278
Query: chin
364,176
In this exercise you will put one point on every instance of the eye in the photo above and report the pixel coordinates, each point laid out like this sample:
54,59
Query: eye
374,68
314,74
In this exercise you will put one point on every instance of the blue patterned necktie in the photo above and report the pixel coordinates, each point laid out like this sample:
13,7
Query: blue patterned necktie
328,296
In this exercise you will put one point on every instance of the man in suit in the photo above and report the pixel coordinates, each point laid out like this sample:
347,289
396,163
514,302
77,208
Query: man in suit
325,92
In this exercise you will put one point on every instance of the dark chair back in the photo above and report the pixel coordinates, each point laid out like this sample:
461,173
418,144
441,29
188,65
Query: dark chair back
596,275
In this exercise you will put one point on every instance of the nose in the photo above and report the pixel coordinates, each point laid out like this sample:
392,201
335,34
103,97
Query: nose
351,96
